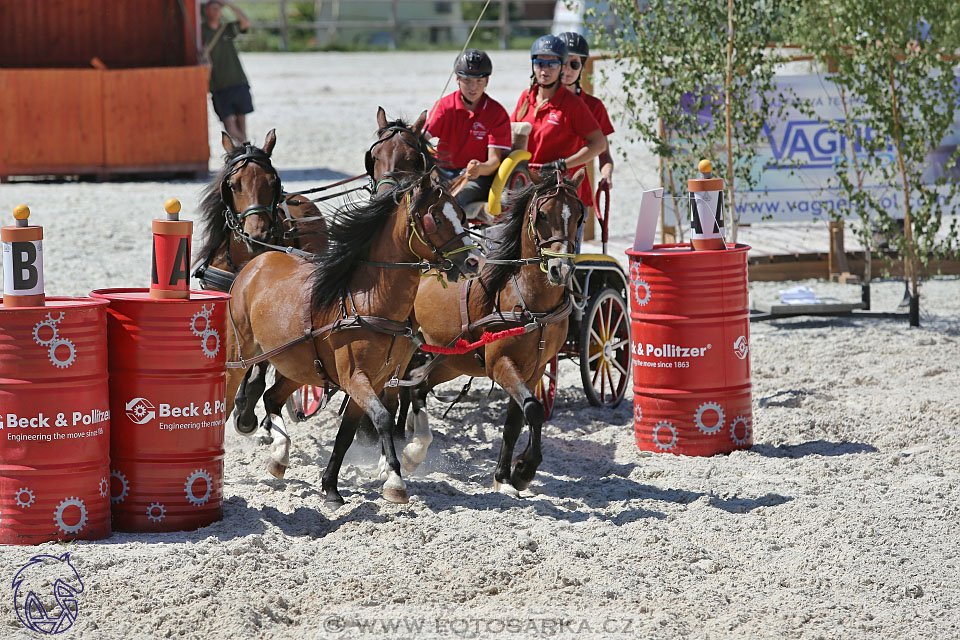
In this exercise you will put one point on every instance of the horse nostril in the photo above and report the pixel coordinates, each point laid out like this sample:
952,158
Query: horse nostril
473,263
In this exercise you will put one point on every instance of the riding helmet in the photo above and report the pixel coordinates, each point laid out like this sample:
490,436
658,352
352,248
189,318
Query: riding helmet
474,63
576,44
549,46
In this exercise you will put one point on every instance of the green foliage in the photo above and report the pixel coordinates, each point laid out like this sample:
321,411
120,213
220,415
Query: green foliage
894,66
673,57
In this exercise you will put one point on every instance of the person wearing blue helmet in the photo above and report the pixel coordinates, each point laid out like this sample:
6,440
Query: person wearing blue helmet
577,53
565,135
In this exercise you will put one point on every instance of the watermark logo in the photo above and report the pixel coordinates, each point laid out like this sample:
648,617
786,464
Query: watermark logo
45,594
140,411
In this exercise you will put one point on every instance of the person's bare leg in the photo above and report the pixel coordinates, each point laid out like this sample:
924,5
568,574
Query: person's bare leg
231,125
242,126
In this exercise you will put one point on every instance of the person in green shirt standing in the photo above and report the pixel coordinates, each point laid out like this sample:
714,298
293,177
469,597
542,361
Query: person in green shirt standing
228,83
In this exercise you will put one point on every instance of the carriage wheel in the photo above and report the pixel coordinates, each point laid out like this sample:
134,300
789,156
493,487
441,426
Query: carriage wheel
519,178
304,402
546,390
605,348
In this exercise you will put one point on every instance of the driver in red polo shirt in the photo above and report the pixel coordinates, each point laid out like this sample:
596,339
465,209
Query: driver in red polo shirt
473,128
565,134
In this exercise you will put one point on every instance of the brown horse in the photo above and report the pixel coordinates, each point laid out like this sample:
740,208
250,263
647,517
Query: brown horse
523,284
399,150
244,213
360,294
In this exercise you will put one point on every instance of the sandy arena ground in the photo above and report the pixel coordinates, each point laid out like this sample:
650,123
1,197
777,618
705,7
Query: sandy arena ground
840,522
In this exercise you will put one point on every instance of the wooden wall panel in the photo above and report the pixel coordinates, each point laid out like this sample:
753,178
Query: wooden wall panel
122,33
51,121
156,117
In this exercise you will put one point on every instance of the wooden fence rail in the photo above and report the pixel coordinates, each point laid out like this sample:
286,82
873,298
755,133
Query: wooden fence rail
392,22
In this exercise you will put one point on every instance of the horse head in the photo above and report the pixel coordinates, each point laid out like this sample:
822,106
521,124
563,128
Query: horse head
438,230
250,189
399,148
45,593
554,216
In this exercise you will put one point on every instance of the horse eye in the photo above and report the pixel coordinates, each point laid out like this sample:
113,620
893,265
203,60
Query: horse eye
235,187
541,216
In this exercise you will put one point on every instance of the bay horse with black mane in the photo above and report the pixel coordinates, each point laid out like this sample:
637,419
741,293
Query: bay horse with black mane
343,317
524,284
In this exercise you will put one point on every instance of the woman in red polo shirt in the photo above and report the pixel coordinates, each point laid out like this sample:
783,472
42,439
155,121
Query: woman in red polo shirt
474,129
565,134
577,53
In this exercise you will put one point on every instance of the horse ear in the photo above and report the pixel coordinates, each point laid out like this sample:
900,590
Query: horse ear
578,177
422,120
381,118
269,143
229,144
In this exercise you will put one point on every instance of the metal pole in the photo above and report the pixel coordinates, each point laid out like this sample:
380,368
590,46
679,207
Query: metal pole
395,36
504,24
284,45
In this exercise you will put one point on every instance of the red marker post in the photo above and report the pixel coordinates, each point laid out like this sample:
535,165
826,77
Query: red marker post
22,262
706,210
171,254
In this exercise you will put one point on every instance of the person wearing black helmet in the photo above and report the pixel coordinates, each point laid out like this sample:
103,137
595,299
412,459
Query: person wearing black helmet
565,135
577,53
473,128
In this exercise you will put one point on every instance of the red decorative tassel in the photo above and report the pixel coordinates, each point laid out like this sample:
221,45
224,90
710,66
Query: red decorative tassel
461,346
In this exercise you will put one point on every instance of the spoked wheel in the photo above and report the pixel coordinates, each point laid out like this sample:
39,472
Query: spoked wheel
605,348
546,390
304,403
519,178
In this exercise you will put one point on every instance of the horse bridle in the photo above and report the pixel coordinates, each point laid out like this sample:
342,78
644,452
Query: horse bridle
543,254
235,220
427,222
420,148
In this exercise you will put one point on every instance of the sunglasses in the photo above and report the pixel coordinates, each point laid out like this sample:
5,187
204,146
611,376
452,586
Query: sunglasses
574,64
549,64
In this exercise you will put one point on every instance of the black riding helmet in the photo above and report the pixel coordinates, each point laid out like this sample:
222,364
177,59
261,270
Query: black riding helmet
474,63
576,44
549,46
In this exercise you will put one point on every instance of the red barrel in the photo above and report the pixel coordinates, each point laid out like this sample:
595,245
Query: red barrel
690,334
54,422
167,394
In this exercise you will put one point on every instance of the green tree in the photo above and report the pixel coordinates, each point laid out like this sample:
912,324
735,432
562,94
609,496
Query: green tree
893,65
698,82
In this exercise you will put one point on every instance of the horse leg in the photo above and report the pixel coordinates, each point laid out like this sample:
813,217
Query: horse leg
273,402
394,489
254,383
419,422
348,427
524,406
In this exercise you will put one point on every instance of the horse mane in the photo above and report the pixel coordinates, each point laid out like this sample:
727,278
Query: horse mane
212,208
349,238
508,232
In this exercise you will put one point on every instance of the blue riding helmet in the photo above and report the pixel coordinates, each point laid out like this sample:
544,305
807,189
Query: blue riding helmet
549,46
576,44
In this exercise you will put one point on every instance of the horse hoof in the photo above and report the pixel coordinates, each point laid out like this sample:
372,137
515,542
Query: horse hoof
396,496
506,489
333,501
407,463
245,430
276,469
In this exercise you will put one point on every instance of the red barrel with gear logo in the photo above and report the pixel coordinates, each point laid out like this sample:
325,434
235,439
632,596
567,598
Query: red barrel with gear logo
690,333
54,422
167,393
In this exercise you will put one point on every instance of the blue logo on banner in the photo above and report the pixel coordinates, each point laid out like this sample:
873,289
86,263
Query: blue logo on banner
45,594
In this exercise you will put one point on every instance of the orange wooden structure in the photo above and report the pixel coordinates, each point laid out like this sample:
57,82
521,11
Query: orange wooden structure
100,87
